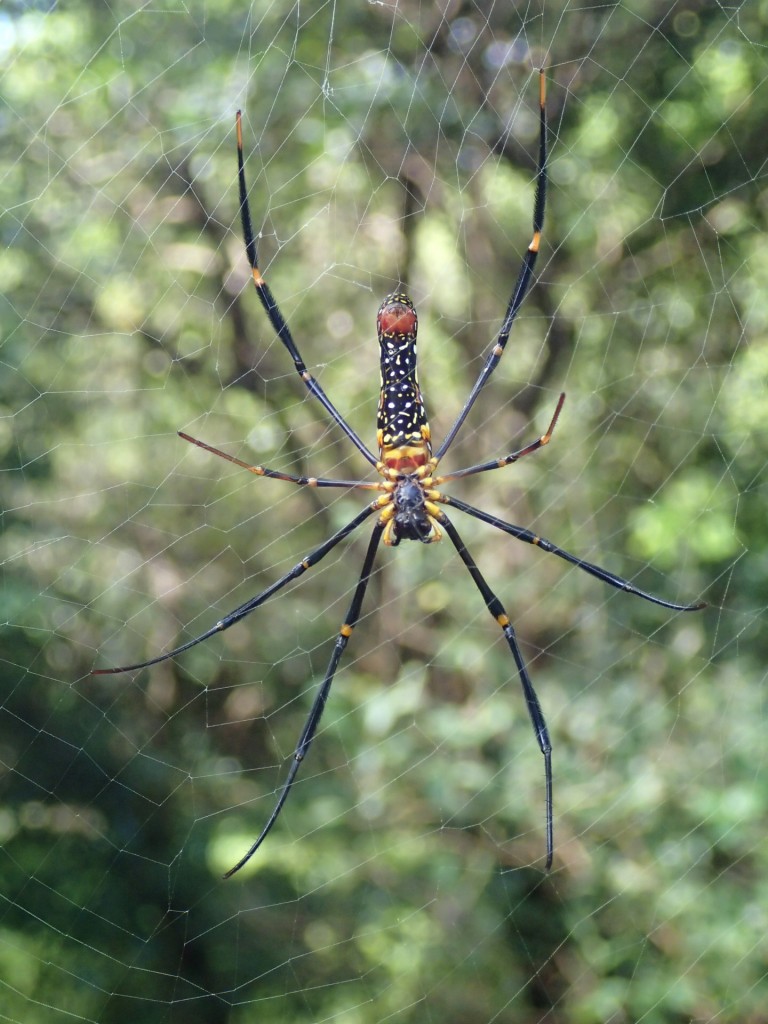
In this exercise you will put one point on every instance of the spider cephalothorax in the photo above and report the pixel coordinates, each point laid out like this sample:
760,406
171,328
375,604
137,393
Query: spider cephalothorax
412,517
410,501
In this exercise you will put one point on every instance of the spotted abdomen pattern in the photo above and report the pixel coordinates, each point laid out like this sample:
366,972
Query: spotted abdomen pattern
403,430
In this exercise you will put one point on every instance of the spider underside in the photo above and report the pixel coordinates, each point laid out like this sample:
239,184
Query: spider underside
409,503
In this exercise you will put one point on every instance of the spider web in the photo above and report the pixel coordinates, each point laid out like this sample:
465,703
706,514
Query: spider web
386,144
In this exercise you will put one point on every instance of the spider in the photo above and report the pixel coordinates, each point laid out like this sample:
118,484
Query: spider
409,503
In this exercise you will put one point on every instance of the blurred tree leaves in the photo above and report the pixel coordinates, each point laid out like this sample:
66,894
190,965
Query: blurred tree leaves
383,146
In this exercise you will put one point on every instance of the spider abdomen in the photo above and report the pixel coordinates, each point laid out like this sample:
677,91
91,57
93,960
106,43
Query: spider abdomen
402,426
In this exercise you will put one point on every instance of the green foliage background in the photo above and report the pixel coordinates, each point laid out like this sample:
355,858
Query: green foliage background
385,144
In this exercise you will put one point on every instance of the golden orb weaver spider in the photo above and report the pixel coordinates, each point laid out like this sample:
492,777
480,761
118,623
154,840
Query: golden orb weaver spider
409,503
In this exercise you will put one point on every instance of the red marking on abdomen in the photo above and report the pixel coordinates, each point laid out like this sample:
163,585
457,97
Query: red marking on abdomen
405,460
397,319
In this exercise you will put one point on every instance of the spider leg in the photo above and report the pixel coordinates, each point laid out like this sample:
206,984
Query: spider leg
523,280
274,474
255,602
318,705
529,537
507,460
495,607
273,311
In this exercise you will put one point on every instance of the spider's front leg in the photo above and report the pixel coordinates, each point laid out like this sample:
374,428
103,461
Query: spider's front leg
318,705
495,607
529,537
239,613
